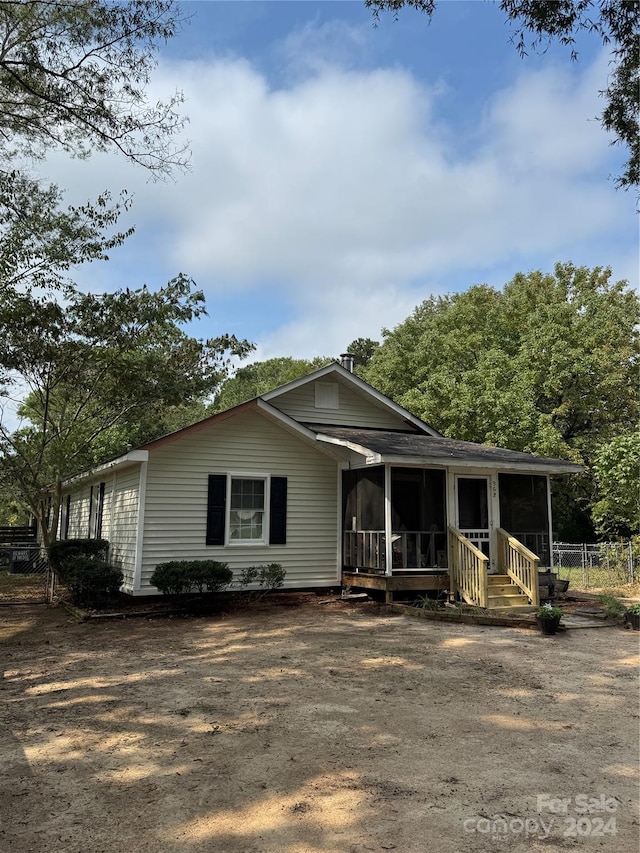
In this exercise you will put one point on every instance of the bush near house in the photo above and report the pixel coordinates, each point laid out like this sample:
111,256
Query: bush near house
183,578
268,578
81,565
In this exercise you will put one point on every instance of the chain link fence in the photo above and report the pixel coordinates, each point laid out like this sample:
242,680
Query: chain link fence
604,564
24,574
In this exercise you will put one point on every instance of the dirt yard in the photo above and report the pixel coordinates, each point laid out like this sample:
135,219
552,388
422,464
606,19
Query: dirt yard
314,729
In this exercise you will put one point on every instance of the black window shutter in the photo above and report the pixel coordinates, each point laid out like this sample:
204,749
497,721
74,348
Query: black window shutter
89,530
67,516
278,511
216,505
100,511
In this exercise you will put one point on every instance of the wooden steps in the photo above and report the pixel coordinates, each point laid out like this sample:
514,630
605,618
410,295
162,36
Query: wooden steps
502,593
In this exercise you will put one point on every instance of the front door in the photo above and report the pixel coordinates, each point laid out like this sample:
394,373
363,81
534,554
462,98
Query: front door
472,510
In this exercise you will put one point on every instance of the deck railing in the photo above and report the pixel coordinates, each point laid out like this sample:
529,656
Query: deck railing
521,564
468,568
364,549
411,550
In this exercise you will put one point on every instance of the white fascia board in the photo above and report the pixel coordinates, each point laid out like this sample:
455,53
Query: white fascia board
359,385
295,427
489,465
369,457
127,459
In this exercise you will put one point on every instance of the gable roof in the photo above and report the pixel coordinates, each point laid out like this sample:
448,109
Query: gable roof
359,386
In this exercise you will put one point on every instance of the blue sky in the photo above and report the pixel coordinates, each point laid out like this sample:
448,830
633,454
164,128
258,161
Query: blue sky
342,173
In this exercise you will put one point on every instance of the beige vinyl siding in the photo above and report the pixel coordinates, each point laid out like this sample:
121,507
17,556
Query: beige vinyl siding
354,409
119,516
78,512
123,498
177,488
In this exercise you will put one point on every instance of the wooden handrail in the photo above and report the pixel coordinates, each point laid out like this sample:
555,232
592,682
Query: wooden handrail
521,564
468,568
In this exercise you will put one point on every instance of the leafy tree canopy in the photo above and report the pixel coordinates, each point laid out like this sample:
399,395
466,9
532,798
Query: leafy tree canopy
73,75
617,473
536,23
547,365
362,350
263,376
98,371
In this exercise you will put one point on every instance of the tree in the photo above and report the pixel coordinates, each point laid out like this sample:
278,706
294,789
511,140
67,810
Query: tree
617,473
548,365
96,371
362,350
40,242
74,75
536,23
261,377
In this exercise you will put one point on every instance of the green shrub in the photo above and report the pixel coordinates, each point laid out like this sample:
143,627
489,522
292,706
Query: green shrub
91,580
613,607
424,602
81,565
63,550
180,577
269,578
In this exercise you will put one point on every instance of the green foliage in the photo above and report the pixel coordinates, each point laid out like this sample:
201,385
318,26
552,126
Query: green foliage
91,581
269,578
12,512
74,76
536,24
263,376
617,474
102,369
362,350
424,602
181,577
547,365
613,607
64,550
81,565
634,608
40,242
549,612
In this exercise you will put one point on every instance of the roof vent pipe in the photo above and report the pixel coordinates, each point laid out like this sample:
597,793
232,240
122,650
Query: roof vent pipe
347,360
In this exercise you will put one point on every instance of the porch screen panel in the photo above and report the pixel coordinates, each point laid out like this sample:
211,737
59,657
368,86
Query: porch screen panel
417,499
524,511
363,499
418,517
363,517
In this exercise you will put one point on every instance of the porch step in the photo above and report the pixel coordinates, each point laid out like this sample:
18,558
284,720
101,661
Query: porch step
503,589
503,593
515,600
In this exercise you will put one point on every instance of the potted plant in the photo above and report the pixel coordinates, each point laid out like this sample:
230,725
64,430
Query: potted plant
632,616
548,618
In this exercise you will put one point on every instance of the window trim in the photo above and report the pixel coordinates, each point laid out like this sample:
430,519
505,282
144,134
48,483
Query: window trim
266,511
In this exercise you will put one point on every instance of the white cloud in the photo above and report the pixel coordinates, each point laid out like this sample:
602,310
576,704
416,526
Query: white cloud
342,190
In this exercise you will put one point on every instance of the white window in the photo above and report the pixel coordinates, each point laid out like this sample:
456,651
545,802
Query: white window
248,510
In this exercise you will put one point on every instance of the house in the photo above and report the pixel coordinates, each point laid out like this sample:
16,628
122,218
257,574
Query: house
335,482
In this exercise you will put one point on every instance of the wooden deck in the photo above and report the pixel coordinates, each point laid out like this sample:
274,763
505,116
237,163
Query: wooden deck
389,584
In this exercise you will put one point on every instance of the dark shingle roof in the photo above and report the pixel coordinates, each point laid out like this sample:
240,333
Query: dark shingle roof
436,449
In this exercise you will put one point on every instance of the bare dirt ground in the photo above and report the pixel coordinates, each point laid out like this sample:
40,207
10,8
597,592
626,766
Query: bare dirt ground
316,729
